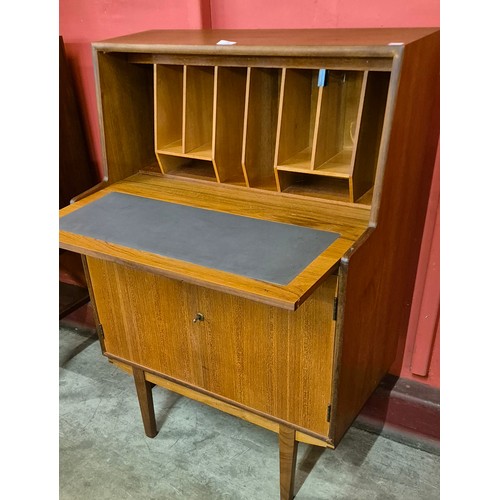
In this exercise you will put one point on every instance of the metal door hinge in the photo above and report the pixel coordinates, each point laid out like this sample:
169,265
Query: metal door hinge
328,412
335,307
100,331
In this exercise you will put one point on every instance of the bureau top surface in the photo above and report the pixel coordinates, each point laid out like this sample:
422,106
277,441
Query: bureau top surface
264,41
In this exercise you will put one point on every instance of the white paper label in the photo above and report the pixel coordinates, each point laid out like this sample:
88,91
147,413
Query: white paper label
225,42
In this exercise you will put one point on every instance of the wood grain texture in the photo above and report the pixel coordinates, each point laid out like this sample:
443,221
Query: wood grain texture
125,94
298,42
328,133
337,117
229,111
247,414
186,166
198,109
348,221
97,321
297,115
262,357
288,461
370,132
145,397
212,122
168,105
92,190
265,352
340,59
354,97
261,119
313,184
338,167
379,273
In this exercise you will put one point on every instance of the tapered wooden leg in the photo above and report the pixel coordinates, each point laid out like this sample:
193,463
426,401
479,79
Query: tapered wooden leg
288,460
145,396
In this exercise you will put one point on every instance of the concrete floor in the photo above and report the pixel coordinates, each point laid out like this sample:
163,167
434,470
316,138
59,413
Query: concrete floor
202,453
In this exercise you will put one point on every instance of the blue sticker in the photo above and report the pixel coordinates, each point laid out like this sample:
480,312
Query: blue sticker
322,78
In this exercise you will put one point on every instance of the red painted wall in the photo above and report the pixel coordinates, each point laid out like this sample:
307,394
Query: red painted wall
81,22
324,13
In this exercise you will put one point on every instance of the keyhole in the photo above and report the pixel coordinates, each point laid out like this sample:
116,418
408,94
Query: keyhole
198,317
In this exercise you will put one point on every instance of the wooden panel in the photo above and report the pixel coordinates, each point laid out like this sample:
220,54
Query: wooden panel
187,167
313,184
347,220
247,414
370,131
145,397
261,119
229,106
288,461
168,105
262,357
255,353
198,108
337,123
378,62
298,102
127,117
379,275
354,97
328,133
303,42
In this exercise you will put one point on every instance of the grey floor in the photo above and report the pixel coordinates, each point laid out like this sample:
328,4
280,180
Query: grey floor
201,453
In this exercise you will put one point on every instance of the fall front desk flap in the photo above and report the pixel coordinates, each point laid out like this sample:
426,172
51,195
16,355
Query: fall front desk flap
269,251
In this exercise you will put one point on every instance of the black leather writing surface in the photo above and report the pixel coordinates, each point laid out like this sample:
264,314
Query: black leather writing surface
259,249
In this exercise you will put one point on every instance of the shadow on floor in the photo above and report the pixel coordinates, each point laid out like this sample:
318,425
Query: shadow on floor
88,338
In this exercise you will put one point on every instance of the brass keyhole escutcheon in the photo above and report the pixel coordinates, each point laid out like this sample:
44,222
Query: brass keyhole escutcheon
198,317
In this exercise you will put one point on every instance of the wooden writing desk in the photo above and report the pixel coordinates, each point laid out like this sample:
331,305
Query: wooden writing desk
255,241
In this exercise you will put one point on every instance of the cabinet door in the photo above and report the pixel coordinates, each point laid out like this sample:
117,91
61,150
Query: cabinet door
265,358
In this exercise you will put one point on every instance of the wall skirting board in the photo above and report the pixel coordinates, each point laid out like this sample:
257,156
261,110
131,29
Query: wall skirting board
405,411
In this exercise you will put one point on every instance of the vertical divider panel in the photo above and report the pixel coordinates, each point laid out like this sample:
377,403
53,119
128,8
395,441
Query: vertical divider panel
260,124
168,106
184,108
278,129
328,133
198,110
359,115
352,183
267,128
298,103
371,121
155,114
338,123
246,140
355,98
229,111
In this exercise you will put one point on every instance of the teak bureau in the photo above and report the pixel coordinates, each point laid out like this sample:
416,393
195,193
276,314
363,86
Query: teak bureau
255,240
